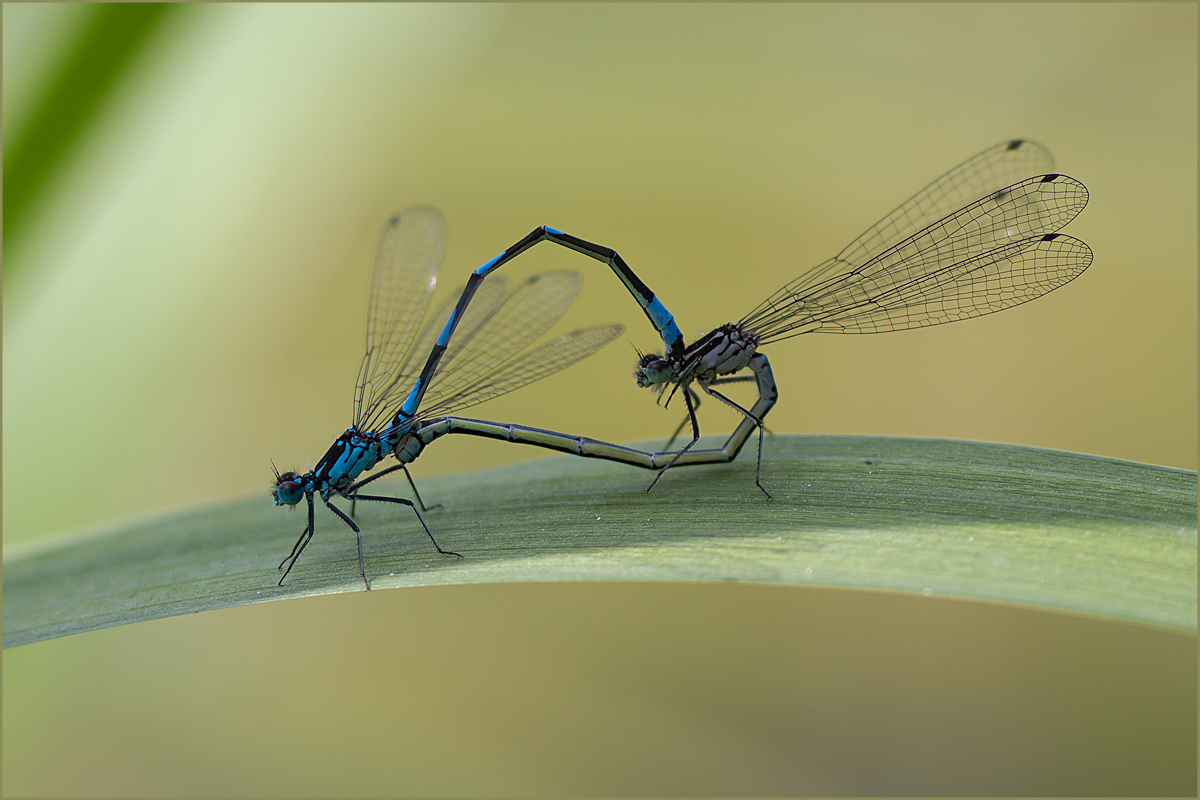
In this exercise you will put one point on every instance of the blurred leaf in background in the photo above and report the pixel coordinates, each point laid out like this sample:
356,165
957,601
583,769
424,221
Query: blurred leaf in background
41,139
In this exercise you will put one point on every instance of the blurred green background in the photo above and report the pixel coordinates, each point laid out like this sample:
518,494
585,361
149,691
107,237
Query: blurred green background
191,200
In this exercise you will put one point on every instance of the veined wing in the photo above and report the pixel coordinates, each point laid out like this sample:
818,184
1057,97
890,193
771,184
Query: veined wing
980,176
983,283
526,314
1018,214
406,265
488,297
541,362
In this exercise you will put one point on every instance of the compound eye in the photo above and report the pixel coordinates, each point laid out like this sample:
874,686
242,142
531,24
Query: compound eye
652,370
288,490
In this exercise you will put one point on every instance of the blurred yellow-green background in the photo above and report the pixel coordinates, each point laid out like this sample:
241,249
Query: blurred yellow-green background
192,197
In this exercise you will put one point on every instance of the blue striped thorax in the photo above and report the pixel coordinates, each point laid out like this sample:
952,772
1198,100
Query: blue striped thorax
353,453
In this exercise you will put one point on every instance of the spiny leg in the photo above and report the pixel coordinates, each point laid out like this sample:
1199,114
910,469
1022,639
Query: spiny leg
404,502
364,482
301,543
295,548
675,434
731,379
376,476
682,422
306,537
418,494
696,400
350,492
358,534
741,379
687,399
758,422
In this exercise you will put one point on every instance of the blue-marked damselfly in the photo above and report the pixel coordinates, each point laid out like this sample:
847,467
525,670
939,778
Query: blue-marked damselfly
402,397
981,238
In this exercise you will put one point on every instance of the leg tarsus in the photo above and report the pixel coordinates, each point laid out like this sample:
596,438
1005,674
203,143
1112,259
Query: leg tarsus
295,548
756,421
405,502
682,422
695,437
300,544
362,570
351,492
675,435
758,463
358,535
418,494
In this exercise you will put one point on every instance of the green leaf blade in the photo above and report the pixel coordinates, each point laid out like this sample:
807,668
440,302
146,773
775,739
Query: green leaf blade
1054,530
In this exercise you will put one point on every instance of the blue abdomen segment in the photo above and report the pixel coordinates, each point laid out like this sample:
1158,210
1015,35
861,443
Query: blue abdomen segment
658,315
665,323
488,266
408,409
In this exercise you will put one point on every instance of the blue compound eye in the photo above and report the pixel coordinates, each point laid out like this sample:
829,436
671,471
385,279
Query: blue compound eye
652,370
287,491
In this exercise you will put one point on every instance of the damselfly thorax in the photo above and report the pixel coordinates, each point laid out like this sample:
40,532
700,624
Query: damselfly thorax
724,351
352,454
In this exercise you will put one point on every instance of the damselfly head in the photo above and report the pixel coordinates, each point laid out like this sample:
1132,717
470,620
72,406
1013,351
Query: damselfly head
288,489
652,370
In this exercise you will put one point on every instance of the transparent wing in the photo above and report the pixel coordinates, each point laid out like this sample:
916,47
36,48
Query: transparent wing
980,176
1001,278
526,314
933,271
541,362
406,265
488,297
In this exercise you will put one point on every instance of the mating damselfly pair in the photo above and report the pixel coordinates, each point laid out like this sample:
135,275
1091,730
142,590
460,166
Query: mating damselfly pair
981,238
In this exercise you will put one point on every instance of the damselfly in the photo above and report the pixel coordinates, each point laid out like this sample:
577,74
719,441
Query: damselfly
979,239
482,362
